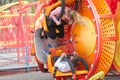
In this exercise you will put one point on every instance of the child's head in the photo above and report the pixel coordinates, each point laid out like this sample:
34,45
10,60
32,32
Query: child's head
74,15
75,60
70,14
67,18
65,12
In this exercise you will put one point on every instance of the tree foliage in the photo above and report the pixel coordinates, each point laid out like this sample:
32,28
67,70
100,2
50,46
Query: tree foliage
3,2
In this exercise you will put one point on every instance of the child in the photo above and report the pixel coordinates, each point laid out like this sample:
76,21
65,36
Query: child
63,66
53,23
56,13
68,18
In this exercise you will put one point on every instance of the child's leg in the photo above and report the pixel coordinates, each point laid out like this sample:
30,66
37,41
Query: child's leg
61,31
52,32
51,27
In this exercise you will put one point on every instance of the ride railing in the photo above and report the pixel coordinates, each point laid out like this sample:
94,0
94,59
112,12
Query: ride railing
16,26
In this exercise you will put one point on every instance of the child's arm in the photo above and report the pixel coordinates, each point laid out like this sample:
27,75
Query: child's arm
54,14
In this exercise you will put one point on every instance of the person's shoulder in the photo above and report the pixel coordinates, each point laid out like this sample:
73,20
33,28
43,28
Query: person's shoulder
58,8
55,11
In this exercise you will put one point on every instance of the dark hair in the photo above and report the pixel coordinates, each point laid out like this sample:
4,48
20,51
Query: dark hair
75,60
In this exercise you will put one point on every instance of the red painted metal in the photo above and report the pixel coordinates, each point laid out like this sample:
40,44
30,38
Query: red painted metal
42,6
21,34
113,5
16,27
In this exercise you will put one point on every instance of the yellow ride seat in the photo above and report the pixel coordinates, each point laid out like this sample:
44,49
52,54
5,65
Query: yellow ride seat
32,50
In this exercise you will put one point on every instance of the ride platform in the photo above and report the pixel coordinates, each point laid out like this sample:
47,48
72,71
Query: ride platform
38,75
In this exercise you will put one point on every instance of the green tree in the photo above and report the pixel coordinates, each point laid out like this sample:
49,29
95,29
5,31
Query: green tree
3,2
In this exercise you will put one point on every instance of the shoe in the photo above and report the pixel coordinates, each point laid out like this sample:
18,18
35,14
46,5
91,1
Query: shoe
49,46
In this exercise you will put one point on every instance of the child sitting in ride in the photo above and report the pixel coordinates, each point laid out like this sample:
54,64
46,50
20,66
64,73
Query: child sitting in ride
63,66
53,23
69,17
68,63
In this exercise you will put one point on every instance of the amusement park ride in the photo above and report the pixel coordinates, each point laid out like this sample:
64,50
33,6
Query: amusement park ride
98,43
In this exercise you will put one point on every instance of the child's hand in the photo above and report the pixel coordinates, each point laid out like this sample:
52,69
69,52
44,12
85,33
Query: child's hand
58,22
63,54
70,22
75,53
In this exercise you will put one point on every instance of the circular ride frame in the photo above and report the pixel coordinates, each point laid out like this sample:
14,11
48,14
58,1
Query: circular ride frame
106,36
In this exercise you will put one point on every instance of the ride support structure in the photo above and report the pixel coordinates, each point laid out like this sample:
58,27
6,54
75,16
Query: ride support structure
96,43
17,27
